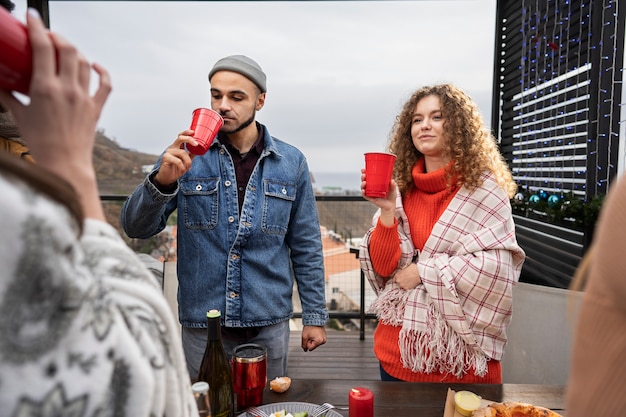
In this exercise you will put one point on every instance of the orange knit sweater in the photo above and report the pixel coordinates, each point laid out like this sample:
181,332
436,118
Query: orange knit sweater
423,207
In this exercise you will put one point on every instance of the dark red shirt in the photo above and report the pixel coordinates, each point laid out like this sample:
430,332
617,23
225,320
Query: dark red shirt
244,163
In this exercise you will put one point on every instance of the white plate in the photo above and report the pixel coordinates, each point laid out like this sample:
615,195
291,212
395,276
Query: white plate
292,407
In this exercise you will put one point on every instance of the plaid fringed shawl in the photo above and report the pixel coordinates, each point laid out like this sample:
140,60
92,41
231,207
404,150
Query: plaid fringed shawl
456,319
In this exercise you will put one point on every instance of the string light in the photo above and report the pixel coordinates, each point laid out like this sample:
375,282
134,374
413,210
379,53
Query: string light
562,117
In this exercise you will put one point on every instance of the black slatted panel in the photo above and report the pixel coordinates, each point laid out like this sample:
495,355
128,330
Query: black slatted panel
557,95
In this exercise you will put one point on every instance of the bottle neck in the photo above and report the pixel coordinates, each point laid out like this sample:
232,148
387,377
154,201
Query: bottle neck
214,331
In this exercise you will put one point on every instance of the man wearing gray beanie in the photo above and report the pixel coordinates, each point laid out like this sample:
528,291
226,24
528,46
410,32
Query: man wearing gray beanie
247,226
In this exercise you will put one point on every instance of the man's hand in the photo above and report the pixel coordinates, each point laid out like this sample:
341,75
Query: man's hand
176,160
312,337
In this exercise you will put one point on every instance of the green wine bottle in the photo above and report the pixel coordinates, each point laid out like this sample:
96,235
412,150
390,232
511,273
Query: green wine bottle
215,369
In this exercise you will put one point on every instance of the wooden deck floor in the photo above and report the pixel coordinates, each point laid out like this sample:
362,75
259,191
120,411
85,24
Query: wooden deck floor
343,356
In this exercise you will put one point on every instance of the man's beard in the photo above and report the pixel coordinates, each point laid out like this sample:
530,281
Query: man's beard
244,124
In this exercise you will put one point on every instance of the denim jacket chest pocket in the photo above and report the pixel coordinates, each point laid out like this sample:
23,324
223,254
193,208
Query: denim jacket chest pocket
199,202
277,203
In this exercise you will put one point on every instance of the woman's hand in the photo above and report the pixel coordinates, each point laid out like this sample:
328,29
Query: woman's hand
386,205
408,278
59,123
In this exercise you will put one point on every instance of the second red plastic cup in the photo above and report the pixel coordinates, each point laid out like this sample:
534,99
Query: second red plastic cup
378,171
205,123
16,62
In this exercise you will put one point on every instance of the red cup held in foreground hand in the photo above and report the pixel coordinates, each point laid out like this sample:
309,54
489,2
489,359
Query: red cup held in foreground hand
378,172
205,123
16,62
249,364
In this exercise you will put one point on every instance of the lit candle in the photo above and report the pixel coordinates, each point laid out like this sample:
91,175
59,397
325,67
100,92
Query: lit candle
361,402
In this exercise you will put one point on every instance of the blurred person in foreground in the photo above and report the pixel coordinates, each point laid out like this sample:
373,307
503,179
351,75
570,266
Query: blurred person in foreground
85,329
596,380
247,226
442,254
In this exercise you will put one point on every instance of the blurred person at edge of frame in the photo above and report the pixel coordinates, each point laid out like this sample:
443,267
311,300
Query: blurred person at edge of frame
596,380
442,254
85,329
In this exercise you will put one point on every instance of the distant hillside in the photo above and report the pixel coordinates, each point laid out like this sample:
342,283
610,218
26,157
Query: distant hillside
119,172
118,169
349,219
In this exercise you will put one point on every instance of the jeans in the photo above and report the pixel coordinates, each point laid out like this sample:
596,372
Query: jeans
384,376
274,338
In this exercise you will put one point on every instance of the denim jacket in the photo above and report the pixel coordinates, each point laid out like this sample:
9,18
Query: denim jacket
243,265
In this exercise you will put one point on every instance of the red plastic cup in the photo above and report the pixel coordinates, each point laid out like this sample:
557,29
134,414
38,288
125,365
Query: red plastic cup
16,62
378,171
205,123
249,364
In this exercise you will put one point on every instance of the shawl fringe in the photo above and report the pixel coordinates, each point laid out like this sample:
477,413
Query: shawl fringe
436,348
389,306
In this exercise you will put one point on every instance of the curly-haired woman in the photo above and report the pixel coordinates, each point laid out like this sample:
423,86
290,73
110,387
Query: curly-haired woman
442,254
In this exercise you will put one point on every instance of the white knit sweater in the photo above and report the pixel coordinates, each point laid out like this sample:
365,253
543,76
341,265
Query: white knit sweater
84,329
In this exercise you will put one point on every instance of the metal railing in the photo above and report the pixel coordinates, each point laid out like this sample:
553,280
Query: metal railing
347,217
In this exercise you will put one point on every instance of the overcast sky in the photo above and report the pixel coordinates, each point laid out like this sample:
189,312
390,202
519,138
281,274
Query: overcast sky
338,72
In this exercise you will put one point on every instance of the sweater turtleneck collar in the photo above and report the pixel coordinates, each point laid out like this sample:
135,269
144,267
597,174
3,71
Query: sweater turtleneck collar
429,182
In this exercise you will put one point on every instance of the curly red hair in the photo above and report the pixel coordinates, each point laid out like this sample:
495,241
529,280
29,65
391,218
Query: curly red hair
469,143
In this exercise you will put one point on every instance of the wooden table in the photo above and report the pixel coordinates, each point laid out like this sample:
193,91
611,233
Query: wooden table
402,399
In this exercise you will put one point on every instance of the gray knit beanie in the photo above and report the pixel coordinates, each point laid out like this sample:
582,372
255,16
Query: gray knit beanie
244,66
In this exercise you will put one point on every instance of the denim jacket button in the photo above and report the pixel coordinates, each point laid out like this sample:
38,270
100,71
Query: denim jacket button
227,183
233,294
231,219
284,191
198,187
